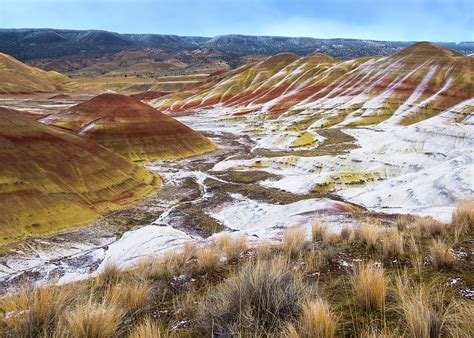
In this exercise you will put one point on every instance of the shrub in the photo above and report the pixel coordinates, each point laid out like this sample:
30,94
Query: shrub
93,320
370,286
260,297
294,240
441,254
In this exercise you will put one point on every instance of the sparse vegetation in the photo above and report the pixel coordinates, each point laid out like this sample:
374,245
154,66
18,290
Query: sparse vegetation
294,289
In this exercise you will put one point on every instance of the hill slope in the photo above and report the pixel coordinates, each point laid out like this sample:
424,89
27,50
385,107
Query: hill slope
131,128
17,77
50,180
409,86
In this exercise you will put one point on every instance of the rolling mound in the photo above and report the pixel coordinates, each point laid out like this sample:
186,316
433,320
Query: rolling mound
131,128
412,85
17,77
52,180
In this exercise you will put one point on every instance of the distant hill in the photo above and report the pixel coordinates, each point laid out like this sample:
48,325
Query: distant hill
27,44
17,77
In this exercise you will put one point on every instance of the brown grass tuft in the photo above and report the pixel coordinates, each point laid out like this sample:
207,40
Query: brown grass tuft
417,311
33,311
133,297
294,240
426,227
232,246
208,260
370,287
318,232
367,235
441,254
260,297
148,328
93,320
463,217
109,275
393,244
317,320
346,233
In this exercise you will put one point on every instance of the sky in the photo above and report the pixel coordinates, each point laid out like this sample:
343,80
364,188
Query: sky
396,20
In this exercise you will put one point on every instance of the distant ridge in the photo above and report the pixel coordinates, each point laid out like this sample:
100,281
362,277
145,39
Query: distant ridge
27,44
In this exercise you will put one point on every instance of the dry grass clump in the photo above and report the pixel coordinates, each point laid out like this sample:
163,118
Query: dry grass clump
260,297
172,263
317,320
94,320
426,227
33,311
318,231
133,297
232,246
208,260
370,287
346,233
110,274
393,244
367,235
463,217
458,321
331,238
403,222
294,241
441,254
148,329
418,313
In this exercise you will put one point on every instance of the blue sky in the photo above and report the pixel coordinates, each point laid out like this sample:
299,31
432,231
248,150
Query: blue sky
434,20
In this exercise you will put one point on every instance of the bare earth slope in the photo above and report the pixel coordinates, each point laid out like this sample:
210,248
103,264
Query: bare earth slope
410,113
131,128
51,180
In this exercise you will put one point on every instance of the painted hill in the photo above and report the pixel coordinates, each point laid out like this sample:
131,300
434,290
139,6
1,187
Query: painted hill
51,180
412,85
16,77
131,128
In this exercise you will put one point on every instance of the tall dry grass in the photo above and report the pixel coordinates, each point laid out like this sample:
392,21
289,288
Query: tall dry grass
442,254
463,217
318,231
133,297
94,320
259,298
426,227
149,328
370,287
208,260
33,312
294,241
367,235
231,246
317,320
393,244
